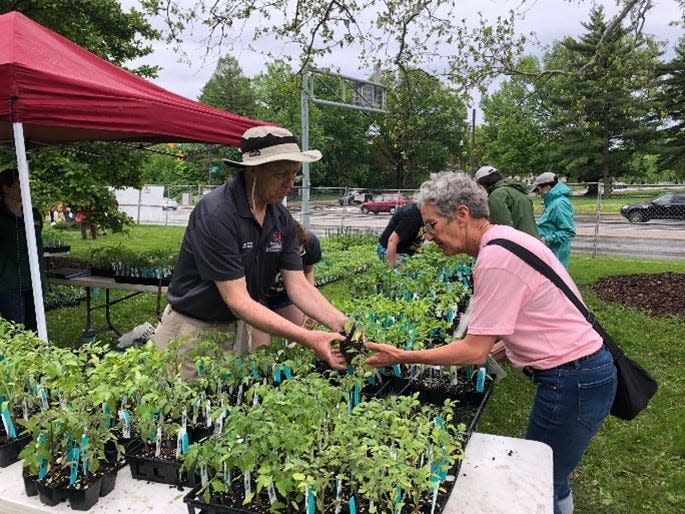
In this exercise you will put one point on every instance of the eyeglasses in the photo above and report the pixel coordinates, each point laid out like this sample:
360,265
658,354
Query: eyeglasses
429,226
287,177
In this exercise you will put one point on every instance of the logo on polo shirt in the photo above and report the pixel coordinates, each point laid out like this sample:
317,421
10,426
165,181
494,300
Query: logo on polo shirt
275,245
248,245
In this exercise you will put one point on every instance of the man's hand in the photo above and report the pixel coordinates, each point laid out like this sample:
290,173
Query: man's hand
386,355
320,342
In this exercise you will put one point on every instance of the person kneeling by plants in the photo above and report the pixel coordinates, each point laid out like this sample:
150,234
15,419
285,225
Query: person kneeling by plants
544,334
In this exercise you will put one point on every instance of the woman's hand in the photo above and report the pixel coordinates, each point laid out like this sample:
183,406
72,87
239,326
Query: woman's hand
386,355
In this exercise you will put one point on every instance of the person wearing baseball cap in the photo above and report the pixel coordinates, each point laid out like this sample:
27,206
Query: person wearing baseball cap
557,225
508,200
239,236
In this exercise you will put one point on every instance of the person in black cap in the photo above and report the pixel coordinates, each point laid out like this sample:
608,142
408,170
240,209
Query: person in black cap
238,238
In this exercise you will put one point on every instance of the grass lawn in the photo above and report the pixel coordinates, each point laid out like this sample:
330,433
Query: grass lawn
636,466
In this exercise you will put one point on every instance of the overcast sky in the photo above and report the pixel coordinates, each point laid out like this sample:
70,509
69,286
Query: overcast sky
549,19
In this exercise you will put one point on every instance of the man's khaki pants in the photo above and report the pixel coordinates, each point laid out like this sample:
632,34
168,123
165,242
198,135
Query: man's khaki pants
174,325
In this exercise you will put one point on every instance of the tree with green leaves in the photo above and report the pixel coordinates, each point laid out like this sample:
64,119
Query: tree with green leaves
672,97
604,115
79,174
423,129
409,34
513,136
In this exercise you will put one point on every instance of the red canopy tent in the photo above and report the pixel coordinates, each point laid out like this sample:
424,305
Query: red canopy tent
57,92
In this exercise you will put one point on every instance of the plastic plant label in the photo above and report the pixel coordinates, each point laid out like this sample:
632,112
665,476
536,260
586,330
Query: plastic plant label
288,372
158,442
43,395
73,458
277,373
271,490
25,410
480,380
239,399
208,413
43,467
352,505
7,421
203,475
106,416
125,416
338,492
311,506
85,446
247,484
398,500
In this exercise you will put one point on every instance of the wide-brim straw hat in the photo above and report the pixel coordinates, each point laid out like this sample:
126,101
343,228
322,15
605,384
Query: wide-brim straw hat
263,144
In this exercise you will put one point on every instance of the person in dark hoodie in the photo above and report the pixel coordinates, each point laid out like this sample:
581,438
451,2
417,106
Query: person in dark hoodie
557,225
508,200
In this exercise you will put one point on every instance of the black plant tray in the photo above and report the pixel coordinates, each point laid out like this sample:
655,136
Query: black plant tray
158,470
197,505
148,281
9,451
56,249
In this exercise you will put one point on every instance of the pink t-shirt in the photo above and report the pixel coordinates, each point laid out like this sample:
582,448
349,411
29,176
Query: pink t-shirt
540,327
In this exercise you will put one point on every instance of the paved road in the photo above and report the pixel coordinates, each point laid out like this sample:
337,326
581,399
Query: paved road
614,235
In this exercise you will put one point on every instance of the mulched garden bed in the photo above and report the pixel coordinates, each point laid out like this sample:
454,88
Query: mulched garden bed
660,294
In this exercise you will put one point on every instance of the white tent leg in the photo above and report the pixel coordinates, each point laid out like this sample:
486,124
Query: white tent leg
23,167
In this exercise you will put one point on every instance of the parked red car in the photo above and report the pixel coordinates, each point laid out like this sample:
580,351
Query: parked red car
387,202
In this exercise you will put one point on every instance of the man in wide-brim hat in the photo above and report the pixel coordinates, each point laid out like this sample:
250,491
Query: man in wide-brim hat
238,238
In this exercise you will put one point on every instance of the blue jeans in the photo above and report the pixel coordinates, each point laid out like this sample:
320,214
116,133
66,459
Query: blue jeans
18,307
570,405
382,251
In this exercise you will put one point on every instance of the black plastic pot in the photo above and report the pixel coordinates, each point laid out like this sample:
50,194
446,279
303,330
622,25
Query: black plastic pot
84,499
158,470
29,483
109,481
9,451
51,495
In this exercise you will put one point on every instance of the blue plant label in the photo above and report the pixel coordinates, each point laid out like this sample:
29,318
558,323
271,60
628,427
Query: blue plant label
254,372
396,370
353,505
73,458
7,421
277,373
357,395
480,380
311,506
398,500
43,466
288,372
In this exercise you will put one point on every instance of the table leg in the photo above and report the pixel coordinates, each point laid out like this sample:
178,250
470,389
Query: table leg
107,313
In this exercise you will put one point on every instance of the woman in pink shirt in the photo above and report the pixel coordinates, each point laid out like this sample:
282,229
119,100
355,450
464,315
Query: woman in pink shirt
543,332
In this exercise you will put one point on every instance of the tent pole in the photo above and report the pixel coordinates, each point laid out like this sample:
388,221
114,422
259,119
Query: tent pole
23,166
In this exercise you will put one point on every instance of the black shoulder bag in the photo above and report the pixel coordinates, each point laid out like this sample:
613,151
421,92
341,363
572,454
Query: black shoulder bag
635,386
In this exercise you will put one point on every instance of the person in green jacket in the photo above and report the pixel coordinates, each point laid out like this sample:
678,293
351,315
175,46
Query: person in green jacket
508,200
16,291
557,225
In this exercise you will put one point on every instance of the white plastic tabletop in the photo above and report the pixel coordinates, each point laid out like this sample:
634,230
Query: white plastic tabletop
499,474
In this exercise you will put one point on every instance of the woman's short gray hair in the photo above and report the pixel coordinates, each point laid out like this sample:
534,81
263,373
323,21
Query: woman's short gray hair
448,190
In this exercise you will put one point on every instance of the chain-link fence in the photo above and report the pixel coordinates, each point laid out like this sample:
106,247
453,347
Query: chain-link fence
638,220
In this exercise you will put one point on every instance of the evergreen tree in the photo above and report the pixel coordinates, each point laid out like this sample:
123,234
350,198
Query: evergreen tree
602,116
229,89
672,154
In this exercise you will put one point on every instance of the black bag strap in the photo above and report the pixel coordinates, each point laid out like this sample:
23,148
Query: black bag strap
541,266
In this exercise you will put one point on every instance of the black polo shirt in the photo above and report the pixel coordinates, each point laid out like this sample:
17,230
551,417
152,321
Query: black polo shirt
223,241
408,224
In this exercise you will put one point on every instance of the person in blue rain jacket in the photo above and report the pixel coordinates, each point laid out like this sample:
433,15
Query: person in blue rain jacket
557,224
